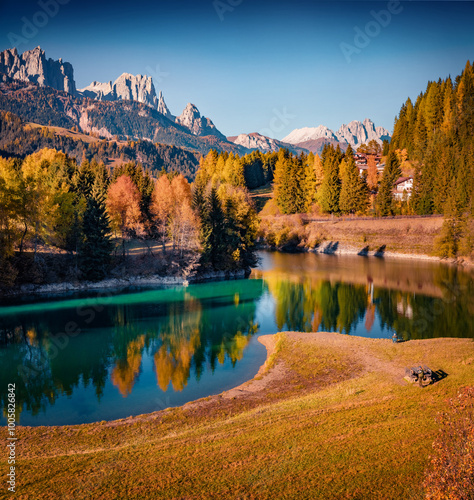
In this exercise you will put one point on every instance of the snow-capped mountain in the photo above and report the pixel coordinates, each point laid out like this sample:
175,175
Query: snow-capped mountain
354,133
309,134
264,144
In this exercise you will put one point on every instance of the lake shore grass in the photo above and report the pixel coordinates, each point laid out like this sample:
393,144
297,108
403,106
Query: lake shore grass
327,416
391,238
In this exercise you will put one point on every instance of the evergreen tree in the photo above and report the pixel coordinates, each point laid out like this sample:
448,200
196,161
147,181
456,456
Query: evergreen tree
353,190
213,227
295,187
447,244
391,173
281,181
310,182
84,179
96,246
331,187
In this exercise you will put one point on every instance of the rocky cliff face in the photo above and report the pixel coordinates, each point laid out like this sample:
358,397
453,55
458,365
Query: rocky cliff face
128,87
198,125
99,91
32,66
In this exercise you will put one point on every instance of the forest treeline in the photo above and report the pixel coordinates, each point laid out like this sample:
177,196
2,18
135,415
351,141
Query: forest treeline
329,183
437,135
88,213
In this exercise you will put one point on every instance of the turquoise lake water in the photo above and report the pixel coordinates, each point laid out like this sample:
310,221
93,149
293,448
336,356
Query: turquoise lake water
112,354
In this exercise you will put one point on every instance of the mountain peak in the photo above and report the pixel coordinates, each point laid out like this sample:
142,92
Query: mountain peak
309,134
163,108
356,133
198,125
255,140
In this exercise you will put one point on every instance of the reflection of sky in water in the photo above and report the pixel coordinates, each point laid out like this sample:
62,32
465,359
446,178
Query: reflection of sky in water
144,351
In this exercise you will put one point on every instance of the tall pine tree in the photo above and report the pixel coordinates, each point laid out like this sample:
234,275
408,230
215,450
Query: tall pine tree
353,190
331,187
96,246
391,173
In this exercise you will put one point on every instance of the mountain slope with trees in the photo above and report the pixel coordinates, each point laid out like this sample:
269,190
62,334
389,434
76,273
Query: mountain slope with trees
107,119
20,139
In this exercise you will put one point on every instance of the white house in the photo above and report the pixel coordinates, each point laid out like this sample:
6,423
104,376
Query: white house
402,185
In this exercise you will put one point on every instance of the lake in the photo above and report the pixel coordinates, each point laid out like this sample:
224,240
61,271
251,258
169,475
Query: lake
108,355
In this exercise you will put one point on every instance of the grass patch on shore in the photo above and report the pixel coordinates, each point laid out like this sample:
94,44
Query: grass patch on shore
337,422
415,235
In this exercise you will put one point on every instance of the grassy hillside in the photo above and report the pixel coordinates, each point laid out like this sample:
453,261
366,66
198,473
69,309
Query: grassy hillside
331,417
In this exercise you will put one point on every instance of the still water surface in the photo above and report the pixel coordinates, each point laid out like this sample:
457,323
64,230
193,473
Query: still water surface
110,355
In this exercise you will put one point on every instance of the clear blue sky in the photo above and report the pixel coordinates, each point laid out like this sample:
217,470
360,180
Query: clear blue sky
261,65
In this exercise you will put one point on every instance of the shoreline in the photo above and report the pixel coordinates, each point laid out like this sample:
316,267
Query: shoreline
254,384
271,371
337,249
131,282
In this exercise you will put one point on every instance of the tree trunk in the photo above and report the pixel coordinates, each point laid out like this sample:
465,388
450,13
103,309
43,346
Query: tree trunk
23,237
36,240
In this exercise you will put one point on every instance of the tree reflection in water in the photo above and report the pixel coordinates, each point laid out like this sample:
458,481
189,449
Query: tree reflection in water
369,296
191,332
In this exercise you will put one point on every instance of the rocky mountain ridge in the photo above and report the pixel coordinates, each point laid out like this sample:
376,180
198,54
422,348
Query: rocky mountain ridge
131,109
127,87
354,133
122,120
198,125
32,66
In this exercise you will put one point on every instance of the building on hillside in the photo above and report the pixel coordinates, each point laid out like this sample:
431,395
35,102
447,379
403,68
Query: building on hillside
403,185
362,169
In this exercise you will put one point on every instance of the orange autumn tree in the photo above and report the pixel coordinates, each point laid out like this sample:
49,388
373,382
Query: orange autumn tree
173,215
162,207
123,207
372,173
184,223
